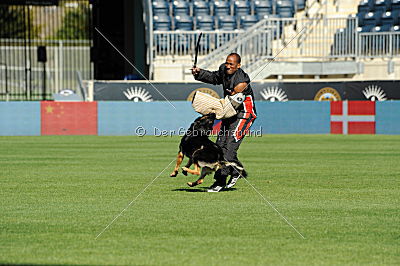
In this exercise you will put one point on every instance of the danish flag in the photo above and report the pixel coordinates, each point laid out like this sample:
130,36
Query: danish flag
353,117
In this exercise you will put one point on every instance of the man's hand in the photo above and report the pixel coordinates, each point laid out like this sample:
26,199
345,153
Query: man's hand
195,71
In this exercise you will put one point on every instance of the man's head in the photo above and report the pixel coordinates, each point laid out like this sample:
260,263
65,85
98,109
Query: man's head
232,63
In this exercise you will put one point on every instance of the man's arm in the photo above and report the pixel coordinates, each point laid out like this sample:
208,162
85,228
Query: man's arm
239,88
212,77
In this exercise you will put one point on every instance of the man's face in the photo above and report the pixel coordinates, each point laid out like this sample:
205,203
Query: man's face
231,65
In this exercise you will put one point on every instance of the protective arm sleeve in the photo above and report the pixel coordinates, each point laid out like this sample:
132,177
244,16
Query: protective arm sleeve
211,77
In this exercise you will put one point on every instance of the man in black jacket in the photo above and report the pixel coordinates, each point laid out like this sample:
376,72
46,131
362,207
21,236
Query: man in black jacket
234,80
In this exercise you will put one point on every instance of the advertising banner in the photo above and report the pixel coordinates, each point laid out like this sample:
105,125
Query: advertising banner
263,91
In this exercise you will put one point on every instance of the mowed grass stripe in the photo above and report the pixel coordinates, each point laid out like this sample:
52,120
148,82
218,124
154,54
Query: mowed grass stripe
58,192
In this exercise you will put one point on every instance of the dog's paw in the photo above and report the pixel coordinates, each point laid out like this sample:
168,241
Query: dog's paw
191,184
174,174
185,170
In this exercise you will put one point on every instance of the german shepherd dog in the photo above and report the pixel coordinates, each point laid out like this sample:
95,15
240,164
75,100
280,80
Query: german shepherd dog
201,151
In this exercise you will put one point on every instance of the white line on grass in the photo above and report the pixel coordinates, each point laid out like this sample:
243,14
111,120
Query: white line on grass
116,217
127,60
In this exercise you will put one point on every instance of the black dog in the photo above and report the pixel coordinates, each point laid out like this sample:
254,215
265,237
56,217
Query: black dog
201,151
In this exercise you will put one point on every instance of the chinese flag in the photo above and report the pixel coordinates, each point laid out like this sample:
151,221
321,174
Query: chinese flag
69,118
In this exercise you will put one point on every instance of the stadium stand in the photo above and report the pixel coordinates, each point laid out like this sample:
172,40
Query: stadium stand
361,34
374,16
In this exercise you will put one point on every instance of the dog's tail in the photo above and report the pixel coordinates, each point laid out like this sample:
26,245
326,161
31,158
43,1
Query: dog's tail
236,167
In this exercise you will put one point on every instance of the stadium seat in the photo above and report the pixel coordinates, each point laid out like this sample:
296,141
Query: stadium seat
227,22
181,7
242,8
160,7
396,16
360,17
285,8
376,29
387,19
299,4
383,28
395,28
378,17
222,8
369,19
366,28
366,6
381,5
263,7
248,21
395,5
183,22
205,22
162,22
201,7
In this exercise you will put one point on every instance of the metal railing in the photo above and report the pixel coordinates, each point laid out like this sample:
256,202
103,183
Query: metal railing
326,39
4,90
379,44
64,59
179,46
265,38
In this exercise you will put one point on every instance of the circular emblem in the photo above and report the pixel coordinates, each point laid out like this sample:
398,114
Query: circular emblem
273,94
327,94
205,90
374,93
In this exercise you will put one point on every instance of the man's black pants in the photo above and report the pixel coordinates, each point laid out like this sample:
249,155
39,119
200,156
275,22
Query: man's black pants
229,139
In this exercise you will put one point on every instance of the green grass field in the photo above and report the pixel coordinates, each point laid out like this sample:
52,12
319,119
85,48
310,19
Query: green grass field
58,193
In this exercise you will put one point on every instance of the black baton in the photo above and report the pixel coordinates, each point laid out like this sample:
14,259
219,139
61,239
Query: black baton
197,50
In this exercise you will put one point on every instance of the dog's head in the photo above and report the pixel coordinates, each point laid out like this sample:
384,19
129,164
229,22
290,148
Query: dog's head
204,124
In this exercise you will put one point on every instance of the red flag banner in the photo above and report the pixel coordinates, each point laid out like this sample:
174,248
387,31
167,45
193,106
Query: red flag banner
69,118
353,117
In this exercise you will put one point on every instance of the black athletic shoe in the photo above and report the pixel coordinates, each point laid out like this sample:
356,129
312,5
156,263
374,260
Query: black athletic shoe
216,187
232,181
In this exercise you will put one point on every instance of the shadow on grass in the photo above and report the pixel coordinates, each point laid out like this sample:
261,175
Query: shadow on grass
191,189
201,189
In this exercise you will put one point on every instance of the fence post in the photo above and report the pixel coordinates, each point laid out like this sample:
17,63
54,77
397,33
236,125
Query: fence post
90,91
61,66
